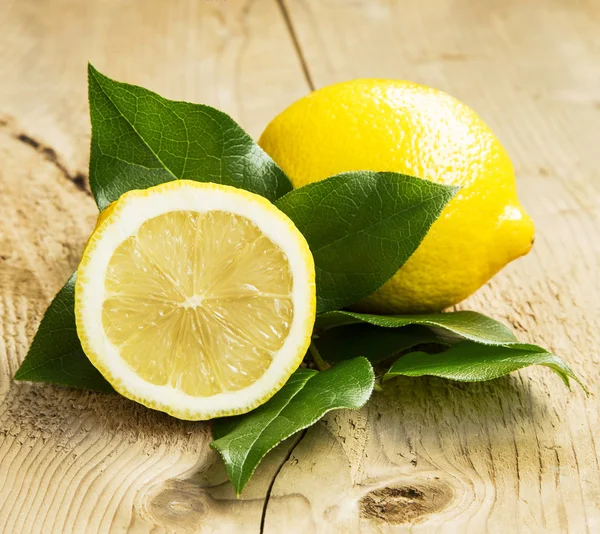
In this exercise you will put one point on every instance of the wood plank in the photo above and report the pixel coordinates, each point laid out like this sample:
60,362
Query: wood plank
521,453
73,461
425,454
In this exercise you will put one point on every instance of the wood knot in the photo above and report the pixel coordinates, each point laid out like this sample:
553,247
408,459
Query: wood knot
409,503
180,505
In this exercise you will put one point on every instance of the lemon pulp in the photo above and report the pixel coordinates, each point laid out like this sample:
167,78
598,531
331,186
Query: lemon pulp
181,293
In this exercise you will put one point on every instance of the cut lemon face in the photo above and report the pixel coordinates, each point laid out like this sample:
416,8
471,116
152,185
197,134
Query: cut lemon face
195,299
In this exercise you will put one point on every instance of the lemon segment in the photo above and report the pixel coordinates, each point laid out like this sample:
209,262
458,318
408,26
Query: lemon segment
196,299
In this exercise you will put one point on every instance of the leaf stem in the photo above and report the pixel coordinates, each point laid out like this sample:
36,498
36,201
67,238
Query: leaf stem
322,365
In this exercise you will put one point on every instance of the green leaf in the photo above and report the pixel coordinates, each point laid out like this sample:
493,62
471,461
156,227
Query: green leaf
308,395
473,362
372,342
469,325
140,139
55,354
361,227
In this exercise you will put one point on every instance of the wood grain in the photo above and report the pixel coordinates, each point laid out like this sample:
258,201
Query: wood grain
519,454
236,56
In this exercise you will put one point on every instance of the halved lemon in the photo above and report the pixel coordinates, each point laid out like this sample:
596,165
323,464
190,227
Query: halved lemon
195,299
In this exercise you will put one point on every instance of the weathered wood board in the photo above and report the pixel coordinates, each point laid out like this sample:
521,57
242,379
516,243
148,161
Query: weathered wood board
519,454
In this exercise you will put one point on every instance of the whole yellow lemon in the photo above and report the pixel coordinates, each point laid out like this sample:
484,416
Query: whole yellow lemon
391,125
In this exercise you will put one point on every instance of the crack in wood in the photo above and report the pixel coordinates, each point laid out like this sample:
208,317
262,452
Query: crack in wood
48,153
263,517
297,46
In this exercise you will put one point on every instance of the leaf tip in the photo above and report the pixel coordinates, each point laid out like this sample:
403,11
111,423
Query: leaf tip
239,485
22,372
94,74
18,375
454,189
581,384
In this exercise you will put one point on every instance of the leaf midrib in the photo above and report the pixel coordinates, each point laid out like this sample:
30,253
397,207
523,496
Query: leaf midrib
266,427
23,374
378,223
93,73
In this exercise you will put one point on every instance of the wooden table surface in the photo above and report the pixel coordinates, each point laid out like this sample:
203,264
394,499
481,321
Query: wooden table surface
519,454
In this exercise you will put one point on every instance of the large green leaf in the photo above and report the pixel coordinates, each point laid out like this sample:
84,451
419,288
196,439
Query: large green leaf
474,362
140,139
244,440
361,227
55,354
465,324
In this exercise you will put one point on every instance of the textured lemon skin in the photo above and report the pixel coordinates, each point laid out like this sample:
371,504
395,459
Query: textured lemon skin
109,216
389,125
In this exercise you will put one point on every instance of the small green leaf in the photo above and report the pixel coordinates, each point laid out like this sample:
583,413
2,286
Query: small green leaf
372,342
361,227
55,354
140,139
474,362
469,325
308,395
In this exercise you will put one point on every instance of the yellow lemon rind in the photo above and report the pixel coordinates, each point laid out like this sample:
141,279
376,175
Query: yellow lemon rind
305,324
